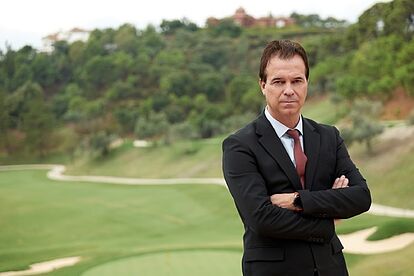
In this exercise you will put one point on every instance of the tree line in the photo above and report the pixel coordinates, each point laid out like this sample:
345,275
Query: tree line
179,80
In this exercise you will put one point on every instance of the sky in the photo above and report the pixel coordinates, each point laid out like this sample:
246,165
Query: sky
25,22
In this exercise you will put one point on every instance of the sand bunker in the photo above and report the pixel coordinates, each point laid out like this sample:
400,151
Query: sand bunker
44,267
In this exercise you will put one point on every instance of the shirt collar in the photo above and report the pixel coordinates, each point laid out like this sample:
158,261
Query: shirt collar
281,128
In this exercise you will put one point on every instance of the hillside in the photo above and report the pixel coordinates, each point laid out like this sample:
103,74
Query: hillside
200,158
180,81
388,170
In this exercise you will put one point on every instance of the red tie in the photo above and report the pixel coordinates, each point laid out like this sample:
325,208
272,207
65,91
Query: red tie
300,157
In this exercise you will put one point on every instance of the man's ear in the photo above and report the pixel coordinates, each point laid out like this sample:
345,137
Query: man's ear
262,85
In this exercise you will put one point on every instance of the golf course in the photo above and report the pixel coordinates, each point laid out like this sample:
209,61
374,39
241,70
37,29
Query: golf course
176,228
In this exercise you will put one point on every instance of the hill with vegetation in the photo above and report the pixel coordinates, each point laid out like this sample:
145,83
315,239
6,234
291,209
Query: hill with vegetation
180,81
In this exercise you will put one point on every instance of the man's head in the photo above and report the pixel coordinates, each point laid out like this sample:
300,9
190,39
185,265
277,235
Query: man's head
283,80
284,49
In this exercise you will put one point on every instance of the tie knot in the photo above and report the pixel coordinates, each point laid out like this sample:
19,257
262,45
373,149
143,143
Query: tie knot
294,133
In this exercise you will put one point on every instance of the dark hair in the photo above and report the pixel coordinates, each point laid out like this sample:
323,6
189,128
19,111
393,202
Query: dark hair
284,49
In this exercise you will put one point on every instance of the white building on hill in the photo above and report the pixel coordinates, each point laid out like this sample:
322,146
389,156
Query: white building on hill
70,36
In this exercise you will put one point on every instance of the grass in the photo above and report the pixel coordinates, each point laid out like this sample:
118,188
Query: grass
131,227
200,158
388,226
388,170
125,227
181,262
43,219
398,263
323,110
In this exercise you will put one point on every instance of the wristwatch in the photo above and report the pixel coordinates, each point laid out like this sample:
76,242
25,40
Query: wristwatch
297,202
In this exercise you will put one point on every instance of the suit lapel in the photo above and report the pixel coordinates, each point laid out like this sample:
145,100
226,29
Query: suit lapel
312,146
272,144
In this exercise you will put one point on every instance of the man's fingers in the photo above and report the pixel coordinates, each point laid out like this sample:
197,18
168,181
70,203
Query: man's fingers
340,182
335,185
345,183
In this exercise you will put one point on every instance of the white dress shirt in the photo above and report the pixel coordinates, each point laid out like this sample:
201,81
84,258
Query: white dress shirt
286,140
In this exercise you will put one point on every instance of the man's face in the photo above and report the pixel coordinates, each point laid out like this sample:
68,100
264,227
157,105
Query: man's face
286,88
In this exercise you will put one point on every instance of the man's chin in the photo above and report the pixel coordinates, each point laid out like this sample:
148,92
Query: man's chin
290,111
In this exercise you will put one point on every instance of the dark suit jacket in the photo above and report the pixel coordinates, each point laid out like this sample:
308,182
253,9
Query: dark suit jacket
278,241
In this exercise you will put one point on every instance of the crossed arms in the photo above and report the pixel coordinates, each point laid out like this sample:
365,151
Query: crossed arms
274,215
286,200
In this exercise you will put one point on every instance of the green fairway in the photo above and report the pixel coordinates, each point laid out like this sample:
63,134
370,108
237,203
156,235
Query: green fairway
158,230
398,263
194,262
43,220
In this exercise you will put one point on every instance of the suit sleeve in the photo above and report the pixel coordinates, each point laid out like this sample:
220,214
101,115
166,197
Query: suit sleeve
339,203
252,200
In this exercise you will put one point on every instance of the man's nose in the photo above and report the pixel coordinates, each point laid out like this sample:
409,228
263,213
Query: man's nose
288,89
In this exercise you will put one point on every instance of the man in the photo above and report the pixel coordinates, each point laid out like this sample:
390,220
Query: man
291,177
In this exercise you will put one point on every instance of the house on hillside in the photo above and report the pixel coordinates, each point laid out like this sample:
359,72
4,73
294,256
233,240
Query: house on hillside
241,18
70,36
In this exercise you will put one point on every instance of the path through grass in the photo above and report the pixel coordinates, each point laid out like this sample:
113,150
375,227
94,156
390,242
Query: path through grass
43,220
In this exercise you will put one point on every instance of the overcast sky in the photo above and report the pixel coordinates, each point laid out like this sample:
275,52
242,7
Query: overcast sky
27,21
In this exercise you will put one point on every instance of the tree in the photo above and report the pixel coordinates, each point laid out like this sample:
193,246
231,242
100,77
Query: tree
100,142
98,72
66,104
324,74
405,67
76,52
126,116
352,86
4,123
238,87
126,39
206,117
215,52
364,126
23,74
155,126
151,41
17,103
43,69
178,83
37,120
120,90
169,27
212,85
314,20
226,27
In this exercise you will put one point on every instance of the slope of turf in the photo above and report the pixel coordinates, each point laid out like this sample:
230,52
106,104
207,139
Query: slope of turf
397,263
323,110
189,262
199,158
43,220
388,169
116,225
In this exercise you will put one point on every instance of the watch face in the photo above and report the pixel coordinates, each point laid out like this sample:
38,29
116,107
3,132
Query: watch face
297,202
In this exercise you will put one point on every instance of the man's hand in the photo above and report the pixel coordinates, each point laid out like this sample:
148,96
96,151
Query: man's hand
340,182
285,201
